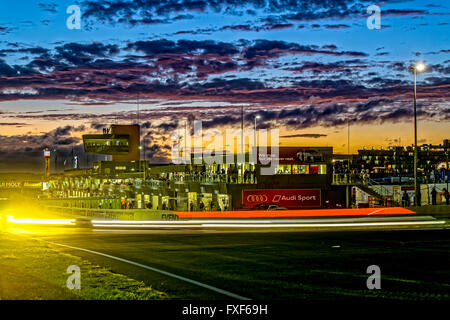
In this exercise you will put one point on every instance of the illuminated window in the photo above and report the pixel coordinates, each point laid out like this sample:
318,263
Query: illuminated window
284,169
323,169
314,169
300,169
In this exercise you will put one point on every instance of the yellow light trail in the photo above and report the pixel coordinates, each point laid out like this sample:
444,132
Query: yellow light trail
41,221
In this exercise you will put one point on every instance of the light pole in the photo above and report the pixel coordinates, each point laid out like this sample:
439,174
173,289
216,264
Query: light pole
141,163
185,141
56,160
256,117
447,177
419,67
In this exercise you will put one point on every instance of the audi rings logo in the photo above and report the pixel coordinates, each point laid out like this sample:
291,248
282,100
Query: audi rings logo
257,198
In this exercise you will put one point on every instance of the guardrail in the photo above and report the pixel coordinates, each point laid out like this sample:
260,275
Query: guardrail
115,214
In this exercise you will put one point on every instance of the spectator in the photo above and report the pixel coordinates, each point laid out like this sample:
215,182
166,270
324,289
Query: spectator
366,177
235,175
419,198
442,175
342,175
446,196
405,199
433,196
352,173
246,175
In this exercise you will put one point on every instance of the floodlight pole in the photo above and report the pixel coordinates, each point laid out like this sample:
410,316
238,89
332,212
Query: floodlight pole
415,140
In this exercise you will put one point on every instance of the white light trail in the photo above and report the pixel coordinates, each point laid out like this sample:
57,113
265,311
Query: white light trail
266,224
257,221
144,226
42,221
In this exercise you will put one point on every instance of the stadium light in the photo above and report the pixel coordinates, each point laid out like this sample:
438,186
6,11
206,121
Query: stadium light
418,67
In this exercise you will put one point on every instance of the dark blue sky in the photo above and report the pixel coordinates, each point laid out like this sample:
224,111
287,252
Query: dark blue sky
308,67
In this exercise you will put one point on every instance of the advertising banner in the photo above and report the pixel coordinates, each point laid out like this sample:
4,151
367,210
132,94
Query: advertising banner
10,184
288,198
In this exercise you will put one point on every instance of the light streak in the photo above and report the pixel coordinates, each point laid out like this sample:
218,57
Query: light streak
41,221
258,224
295,213
322,225
241,223
257,221
143,226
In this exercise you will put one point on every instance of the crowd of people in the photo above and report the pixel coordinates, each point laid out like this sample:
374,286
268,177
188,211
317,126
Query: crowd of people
436,176
343,174
435,193
231,175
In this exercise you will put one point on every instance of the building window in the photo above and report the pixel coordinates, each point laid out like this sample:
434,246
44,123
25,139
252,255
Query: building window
300,169
314,169
284,169
322,169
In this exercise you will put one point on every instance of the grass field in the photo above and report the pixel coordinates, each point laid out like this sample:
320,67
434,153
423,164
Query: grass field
32,270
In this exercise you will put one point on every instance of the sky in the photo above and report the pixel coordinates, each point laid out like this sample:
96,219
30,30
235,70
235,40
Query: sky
312,69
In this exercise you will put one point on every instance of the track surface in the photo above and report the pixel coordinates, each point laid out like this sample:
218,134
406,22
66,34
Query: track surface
267,265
